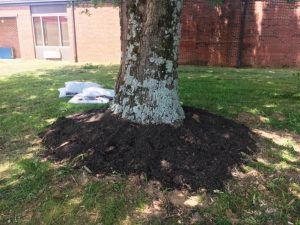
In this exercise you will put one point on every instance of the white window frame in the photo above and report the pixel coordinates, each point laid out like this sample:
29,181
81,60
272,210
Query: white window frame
58,15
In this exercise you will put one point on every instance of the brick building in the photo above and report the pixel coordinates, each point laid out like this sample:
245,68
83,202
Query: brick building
245,32
258,33
56,29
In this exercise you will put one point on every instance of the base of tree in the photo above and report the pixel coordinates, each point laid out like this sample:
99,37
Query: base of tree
199,154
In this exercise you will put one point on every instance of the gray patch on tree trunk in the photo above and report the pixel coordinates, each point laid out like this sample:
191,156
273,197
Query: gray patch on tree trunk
155,103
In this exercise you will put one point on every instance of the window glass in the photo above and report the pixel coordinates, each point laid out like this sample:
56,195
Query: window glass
64,30
51,30
46,9
37,31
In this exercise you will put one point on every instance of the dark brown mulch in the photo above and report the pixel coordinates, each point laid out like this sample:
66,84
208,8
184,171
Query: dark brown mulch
199,154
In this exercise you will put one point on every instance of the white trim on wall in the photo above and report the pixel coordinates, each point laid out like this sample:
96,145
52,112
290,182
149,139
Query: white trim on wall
8,15
48,14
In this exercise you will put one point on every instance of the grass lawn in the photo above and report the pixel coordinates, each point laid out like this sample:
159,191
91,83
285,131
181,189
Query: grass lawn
264,191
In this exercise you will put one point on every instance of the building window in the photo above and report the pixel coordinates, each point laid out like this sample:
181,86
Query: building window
51,30
64,30
38,31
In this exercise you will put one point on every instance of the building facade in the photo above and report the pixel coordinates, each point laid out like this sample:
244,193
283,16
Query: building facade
60,30
256,33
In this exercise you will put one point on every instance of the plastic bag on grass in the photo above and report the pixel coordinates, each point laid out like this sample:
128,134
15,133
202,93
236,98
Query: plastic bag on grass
81,99
76,87
96,91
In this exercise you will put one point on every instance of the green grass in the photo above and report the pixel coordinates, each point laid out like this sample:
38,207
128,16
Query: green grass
256,91
33,191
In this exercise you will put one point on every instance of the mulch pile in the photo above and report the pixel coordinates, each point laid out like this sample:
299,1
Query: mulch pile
199,154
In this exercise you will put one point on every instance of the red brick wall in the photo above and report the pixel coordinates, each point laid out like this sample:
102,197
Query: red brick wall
9,35
98,34
25,35
273,34
210,35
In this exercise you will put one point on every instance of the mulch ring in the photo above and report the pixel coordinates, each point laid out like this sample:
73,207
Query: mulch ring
199,154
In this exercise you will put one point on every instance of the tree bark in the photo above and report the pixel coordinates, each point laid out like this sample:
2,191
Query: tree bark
148,94
124,29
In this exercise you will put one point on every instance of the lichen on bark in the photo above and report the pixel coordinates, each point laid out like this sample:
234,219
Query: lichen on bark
149,92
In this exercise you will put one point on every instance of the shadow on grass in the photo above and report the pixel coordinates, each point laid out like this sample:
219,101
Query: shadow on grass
40,194
29,103
29,100
261,92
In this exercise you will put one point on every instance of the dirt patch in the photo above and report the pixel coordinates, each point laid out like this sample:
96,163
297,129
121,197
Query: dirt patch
251,119
280,138
246,118
199,154
280,117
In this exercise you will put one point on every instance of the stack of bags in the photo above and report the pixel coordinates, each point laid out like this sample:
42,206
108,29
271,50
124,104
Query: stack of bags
86,92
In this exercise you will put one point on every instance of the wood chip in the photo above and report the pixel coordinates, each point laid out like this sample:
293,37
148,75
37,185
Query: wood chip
87,169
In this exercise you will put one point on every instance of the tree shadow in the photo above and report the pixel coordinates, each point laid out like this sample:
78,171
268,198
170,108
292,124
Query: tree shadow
29,101
269,93
199,154
40,194
20,115
27,107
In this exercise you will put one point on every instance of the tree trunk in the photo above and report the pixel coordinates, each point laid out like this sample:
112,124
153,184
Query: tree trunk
148,94
124,29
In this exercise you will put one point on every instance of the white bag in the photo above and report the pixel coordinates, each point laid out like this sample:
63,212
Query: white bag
62,92
80,99
77,87
96,91
91,84
74,87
